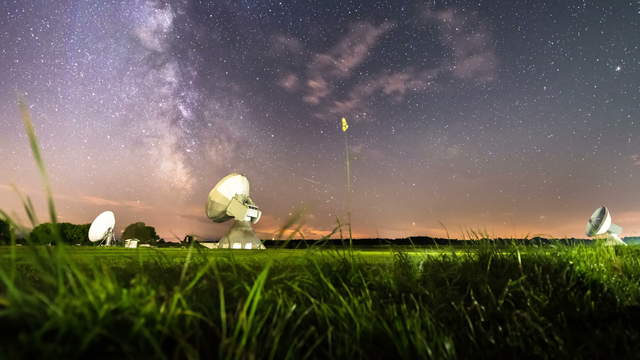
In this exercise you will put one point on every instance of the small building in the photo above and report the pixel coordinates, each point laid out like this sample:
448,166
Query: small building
131,243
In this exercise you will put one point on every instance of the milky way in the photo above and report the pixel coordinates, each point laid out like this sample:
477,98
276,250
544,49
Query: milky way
507,116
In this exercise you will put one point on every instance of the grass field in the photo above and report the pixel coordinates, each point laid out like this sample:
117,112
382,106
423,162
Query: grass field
485,302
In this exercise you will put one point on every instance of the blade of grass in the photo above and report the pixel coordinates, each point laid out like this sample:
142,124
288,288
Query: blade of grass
35,149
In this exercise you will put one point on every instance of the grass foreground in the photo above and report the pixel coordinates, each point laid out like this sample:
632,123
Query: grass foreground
485,302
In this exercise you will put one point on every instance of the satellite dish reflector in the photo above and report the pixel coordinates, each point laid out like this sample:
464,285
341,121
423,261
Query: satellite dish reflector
600,224
229,199
101,229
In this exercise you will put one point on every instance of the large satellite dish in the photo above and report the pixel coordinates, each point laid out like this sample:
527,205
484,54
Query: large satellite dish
600,224
101,230
229,199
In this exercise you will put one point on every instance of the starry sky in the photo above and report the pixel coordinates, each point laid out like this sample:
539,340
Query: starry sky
512,117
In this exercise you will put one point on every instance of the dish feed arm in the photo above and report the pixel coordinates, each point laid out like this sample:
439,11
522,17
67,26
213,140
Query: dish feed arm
243,210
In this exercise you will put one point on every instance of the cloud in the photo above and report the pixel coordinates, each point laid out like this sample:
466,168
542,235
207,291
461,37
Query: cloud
470,41
99,201
341,59
395,85
135,204
286,45
95,200
317,89
90,199
351,51
472,58
202,218
289,82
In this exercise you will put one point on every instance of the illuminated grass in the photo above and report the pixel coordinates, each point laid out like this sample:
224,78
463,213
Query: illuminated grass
295,304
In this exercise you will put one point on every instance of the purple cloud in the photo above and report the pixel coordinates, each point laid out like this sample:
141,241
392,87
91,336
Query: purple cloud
471,43
341,59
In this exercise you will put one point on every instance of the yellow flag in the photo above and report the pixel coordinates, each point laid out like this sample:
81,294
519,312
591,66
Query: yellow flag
345,125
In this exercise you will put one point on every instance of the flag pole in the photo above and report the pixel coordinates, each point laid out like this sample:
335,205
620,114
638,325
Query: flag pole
345,126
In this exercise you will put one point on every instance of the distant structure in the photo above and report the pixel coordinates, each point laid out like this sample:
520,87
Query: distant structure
209,244
195,240
101,230
600,224
189,239
229,199
131,243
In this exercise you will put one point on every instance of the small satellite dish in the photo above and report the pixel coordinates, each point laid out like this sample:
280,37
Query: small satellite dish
101,229
600,224
229,199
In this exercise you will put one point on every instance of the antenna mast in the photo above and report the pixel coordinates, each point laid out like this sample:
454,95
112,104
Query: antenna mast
345,126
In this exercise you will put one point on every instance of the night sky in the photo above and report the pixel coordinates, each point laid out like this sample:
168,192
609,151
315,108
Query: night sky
514,117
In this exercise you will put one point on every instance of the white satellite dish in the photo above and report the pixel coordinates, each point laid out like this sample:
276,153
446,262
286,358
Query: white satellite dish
600,224
101,229
229,199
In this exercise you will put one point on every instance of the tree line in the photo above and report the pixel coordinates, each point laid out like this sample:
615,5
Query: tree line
76,234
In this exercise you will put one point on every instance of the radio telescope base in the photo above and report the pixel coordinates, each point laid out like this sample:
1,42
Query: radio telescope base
613,240
241,236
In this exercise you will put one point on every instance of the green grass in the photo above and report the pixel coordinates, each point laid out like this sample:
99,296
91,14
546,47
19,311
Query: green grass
180,303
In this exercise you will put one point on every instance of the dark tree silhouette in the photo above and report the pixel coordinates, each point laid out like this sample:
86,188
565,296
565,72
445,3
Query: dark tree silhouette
69,234
5,232
146,234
